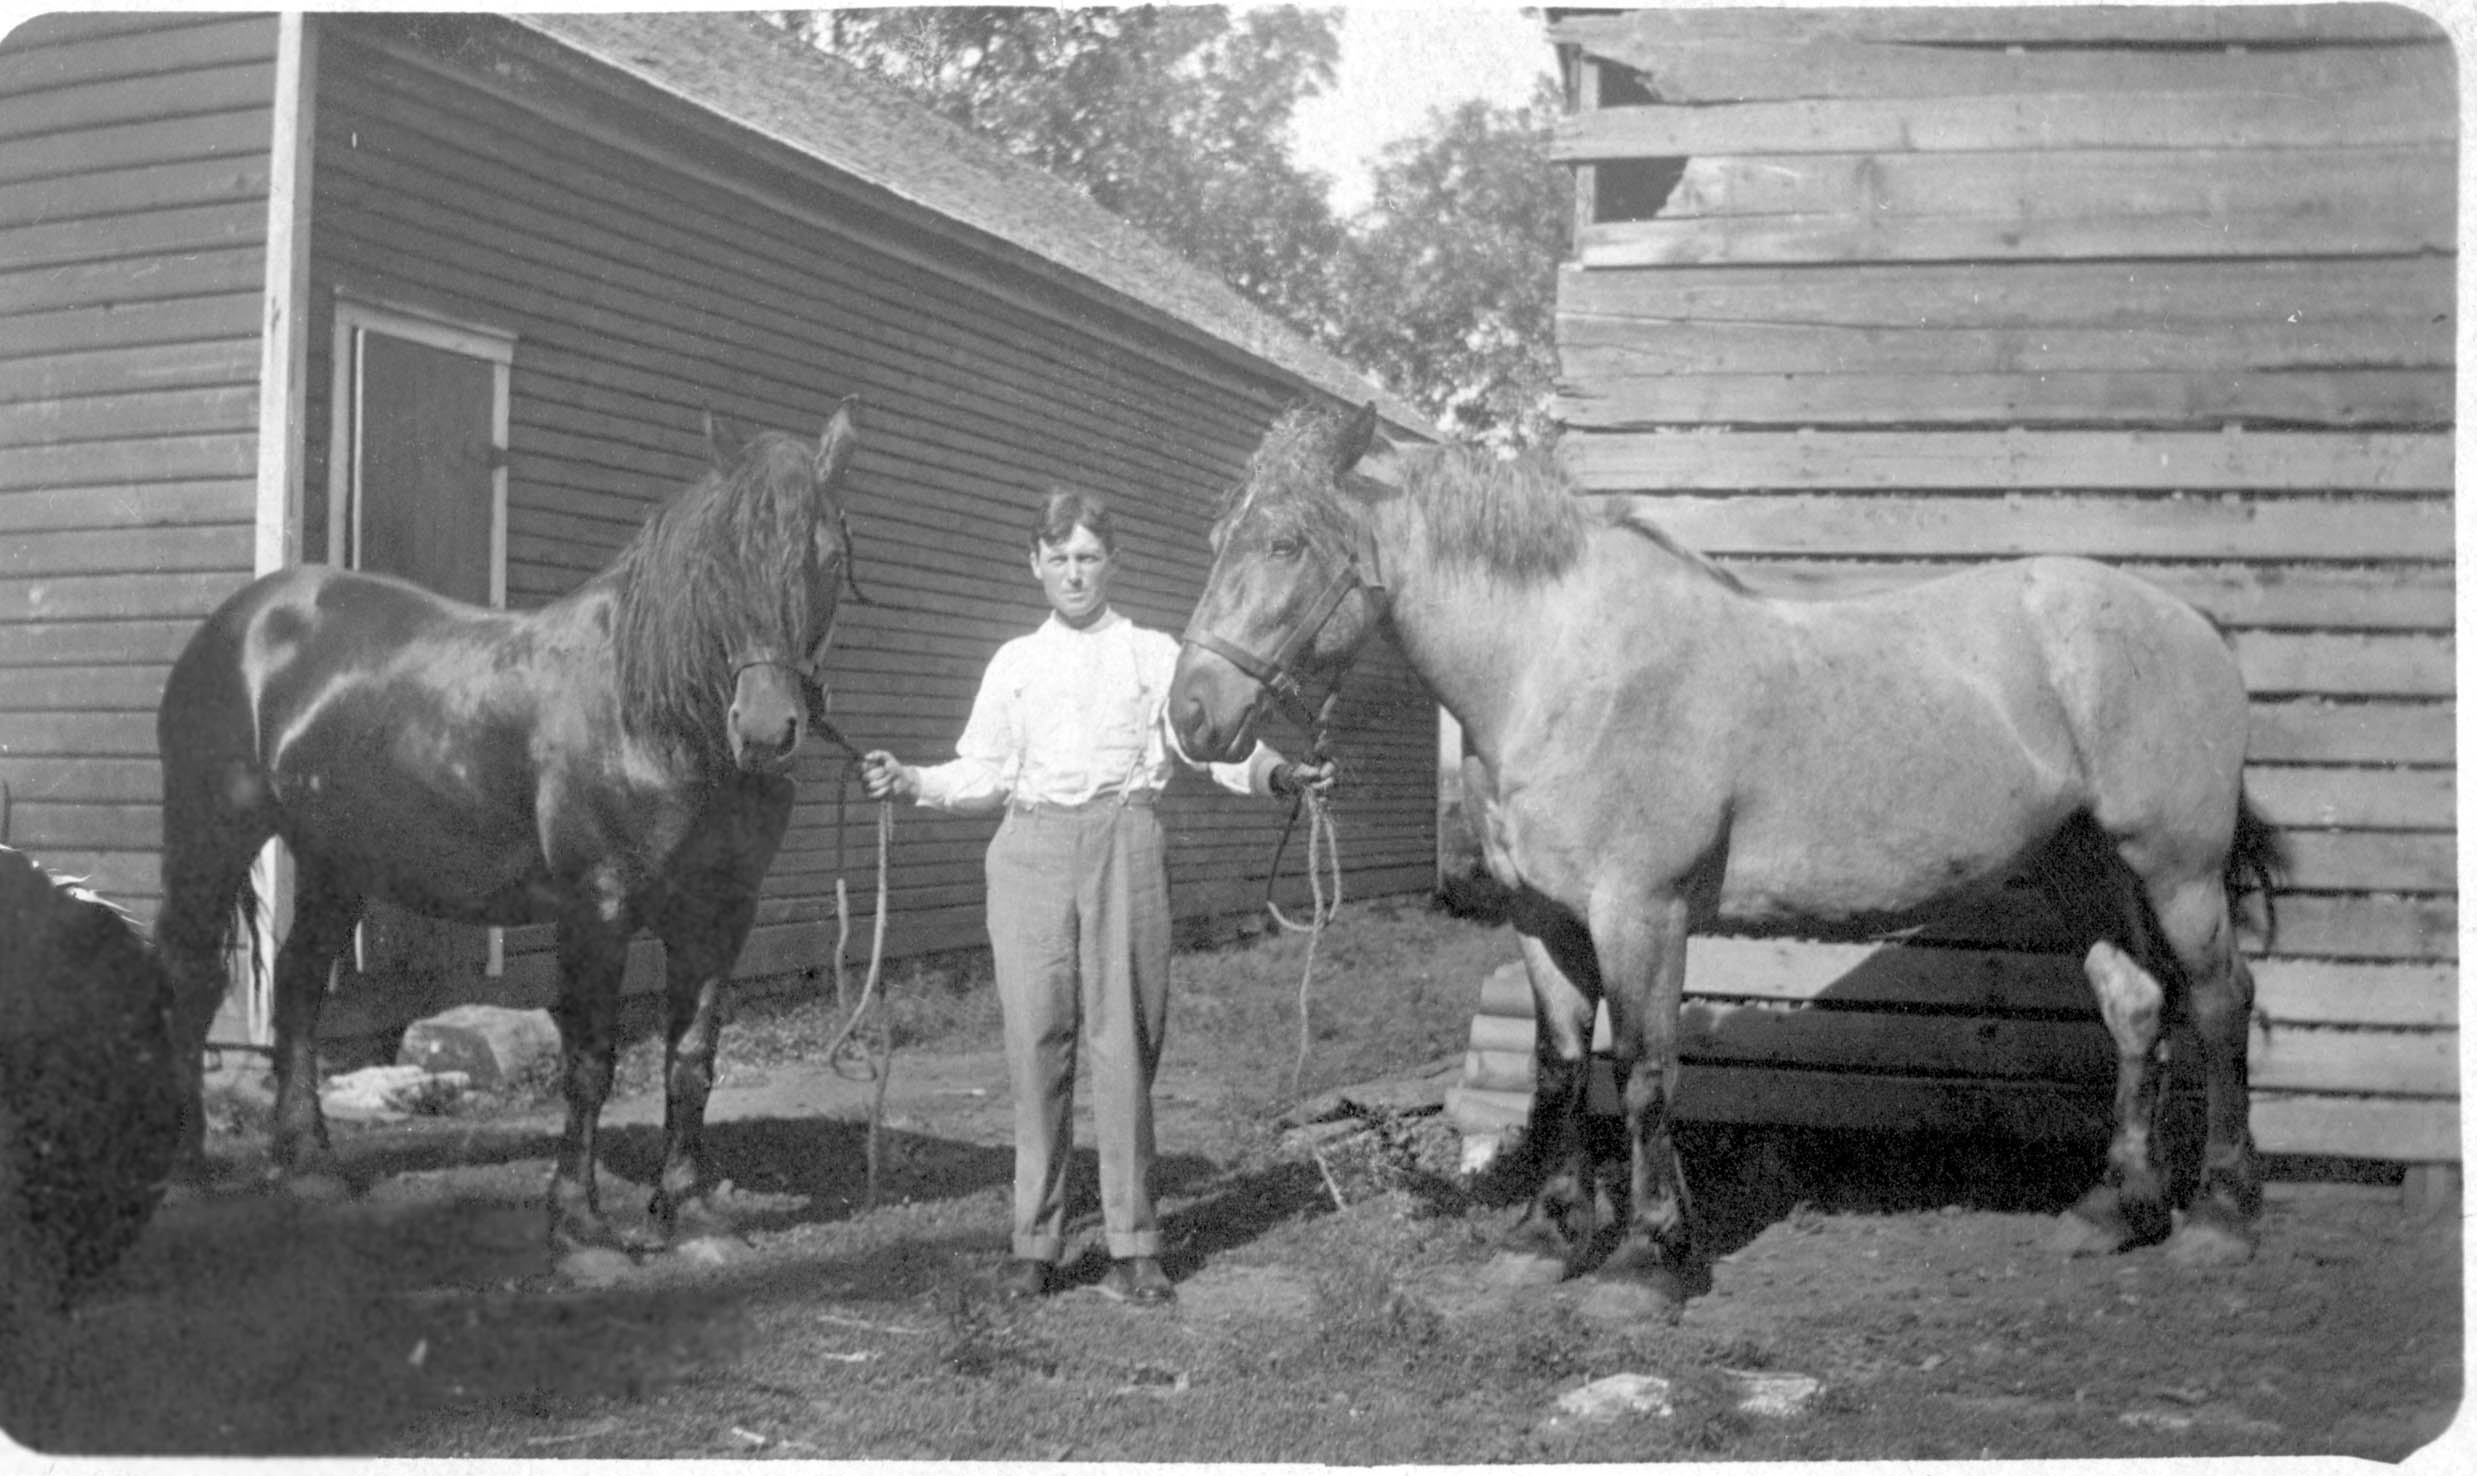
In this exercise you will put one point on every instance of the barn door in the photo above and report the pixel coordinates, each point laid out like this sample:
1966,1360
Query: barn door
418,489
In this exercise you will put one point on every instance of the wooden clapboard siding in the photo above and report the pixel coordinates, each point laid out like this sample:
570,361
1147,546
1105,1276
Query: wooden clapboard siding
2318,463
652,261
133,204
2174,288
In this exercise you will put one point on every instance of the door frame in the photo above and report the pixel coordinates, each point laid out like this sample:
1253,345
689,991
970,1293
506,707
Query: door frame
356,316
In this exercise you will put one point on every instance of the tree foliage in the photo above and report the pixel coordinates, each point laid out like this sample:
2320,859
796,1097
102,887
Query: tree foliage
1448,288
1176,118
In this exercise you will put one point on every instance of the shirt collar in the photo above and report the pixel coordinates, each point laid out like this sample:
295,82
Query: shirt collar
1058,628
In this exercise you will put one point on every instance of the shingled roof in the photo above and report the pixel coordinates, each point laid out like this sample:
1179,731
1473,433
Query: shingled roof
759,77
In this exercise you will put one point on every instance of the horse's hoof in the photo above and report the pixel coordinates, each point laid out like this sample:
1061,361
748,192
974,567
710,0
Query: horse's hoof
2210,1236
2076,1235
2105,1222
697,1219
1525,1268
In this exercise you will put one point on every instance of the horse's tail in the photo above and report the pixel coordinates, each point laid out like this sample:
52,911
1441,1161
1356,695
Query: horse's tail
2258,861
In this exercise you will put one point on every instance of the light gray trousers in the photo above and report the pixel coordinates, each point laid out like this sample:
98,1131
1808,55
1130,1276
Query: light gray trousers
1079,931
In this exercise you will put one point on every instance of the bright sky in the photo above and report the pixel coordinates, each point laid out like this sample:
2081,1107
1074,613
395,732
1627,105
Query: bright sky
1399,63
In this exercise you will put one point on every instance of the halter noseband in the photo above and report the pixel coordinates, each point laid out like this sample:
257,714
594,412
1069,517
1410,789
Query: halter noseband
1278,673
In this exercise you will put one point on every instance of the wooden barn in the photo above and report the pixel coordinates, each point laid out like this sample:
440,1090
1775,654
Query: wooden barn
449,296
1863,295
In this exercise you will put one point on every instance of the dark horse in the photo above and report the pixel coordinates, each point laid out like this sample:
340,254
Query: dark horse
614,760
1653,748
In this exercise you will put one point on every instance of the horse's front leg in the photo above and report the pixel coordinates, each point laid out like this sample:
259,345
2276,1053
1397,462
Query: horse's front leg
1556,1228
593,955
703,922
1642,949
698,952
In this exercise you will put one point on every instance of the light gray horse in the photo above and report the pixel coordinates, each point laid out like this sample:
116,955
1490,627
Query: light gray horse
1653,749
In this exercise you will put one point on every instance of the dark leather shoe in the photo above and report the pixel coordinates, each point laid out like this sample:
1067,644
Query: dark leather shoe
1138,1279
1020,1278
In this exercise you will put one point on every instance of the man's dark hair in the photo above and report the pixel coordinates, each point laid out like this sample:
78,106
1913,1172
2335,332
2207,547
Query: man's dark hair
1067,508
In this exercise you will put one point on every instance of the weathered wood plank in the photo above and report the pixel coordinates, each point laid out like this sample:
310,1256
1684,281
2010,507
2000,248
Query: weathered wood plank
1594,349
225,89
2410,398
2286,662
2136,296
66,508
231,456
2407,1063
2397,596
83,780
2380,462
92,642
1711,68
157,186
1990,25
126,550
169,276
116,375
1891,526
70,689
136,233
2395,1129
95,327
2309,796
82,735
232,136
2111,204
114,597
2288,991
159,53
191,411
2307,732
2421,111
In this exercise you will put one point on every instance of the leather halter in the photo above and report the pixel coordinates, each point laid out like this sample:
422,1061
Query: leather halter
1278,673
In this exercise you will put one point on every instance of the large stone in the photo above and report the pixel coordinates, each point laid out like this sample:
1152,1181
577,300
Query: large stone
490,1044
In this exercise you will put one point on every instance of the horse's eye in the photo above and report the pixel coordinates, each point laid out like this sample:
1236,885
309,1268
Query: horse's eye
1286,549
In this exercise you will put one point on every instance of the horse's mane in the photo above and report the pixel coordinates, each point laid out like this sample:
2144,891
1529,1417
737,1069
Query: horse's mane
724,560
1521,520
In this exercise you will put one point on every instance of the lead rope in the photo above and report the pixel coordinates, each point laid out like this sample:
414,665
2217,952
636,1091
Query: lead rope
878,1059
1324,886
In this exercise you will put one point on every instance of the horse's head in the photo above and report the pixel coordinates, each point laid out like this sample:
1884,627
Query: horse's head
1294,589
795,546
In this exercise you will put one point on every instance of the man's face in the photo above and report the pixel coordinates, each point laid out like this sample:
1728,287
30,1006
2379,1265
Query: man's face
1075,575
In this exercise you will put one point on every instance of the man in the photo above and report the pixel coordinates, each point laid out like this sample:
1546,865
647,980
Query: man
1067,733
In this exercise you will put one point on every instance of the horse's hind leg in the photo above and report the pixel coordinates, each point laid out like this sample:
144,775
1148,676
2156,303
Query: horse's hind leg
1564,996
2129,1207
593,956
324,912
2198,925
216,816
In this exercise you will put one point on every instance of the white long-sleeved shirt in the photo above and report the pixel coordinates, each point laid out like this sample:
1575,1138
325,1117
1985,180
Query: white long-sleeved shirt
1064,715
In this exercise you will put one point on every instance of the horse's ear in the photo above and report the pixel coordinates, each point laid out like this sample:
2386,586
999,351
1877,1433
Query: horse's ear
722,439
1356,437
841,439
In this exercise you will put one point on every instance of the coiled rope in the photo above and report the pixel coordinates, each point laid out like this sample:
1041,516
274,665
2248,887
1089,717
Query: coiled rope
1324,885
877,1054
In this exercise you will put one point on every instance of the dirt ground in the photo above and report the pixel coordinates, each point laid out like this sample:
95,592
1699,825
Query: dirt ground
1335,1305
